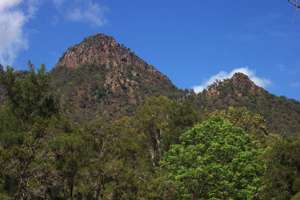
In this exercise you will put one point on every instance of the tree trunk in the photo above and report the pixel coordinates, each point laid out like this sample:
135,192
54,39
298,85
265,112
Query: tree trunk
71,190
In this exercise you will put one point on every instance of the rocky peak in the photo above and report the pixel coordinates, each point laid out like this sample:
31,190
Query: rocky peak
105,74
242,84
239,85
101,50
240,79
240,76
118,62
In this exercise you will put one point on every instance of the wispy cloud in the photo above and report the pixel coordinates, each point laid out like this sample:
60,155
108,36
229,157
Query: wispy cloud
262,82
32,7
12,38
15,14
7,4
295,84
85,11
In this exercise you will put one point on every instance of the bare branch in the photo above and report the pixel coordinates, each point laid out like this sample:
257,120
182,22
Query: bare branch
295,3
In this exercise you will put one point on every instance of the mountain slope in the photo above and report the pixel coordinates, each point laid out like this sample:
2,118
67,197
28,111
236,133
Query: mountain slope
282,114
100,76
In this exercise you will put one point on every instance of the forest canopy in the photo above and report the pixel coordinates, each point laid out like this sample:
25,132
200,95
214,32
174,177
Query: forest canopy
166,150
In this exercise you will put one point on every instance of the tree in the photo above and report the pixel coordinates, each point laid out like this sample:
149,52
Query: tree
162,121
294,3
101,160
214,160
24,129
71,156
250,122
116,160
282,178
132,169
29,94
152,120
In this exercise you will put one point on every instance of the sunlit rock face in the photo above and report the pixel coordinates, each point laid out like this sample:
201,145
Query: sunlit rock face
107,77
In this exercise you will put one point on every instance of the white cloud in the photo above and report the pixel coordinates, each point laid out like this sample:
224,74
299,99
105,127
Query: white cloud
262,82
7,4
86,11
15,14
12,38
32,7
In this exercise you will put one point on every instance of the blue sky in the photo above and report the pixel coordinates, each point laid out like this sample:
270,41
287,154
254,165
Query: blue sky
193,42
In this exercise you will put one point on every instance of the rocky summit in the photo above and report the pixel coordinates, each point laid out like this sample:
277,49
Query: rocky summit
282,114
101,50
101,76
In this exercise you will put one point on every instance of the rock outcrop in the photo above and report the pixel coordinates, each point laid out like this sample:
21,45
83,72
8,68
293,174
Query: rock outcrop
106,77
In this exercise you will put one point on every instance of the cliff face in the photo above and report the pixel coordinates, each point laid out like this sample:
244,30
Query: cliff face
101,76
99,50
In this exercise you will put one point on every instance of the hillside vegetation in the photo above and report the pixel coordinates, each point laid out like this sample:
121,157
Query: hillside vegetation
111,127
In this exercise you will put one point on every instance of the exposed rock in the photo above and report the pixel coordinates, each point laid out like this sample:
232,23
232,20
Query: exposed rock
107,65
282,114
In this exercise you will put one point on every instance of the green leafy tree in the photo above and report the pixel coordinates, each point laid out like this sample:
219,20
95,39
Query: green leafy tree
252,123
120,167
214,160
183,116
162,121
25,119
152,120
282,179
29,94
101,160
71,157
296,197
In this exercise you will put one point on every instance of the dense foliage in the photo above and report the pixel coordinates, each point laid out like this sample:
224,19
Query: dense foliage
282,180
164,150
215,160
282,115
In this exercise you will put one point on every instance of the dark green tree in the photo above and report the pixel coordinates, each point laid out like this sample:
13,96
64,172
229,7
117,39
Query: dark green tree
29,94
120,166
71,157
26,115
282,179
162,121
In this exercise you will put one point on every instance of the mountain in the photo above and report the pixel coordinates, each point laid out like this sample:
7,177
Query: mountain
282,114
99,76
